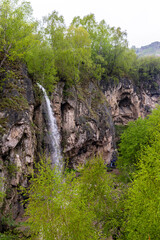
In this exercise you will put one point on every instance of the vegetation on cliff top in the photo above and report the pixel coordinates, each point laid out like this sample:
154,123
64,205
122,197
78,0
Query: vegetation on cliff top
85,50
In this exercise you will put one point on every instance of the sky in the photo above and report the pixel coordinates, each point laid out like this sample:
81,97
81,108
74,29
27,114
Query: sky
139,18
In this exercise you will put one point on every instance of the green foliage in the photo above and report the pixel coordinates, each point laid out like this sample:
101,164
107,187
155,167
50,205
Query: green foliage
109,48
140,151
98,190
3,123
70,207
12,169
52,208
8,236
14,102
138,135
71,48
8,220
78,58
2,194
54,30
132,140
120,58
148,69
85,51
41,64
142,204
16,28
120,129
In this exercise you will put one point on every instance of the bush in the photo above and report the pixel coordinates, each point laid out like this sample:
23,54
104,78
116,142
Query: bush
142,204
70,207
135,138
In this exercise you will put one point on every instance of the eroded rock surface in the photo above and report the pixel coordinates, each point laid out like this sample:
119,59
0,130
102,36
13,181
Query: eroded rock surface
85,123
17,138
128,102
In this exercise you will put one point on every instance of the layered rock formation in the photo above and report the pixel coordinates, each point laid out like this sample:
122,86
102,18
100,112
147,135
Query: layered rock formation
83,119
17,137
85,123
128,102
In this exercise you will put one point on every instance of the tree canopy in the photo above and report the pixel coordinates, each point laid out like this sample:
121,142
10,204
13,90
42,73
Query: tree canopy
16,29
86,50
135,138
70,207
142,201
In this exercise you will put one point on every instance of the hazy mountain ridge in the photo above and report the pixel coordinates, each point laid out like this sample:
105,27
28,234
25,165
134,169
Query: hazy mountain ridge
152,49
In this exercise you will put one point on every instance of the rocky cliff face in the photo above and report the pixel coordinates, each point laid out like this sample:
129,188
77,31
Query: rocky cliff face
85,123
17,137
128,102
85,113
83,119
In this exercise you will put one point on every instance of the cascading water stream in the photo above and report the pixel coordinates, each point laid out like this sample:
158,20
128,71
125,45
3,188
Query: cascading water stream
54,135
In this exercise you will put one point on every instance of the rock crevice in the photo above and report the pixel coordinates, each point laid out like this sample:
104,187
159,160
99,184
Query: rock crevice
127,102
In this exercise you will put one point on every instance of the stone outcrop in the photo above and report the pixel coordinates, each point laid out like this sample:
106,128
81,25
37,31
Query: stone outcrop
128,102
85,123
17,138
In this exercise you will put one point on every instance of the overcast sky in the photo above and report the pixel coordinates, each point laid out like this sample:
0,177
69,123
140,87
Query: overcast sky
140,18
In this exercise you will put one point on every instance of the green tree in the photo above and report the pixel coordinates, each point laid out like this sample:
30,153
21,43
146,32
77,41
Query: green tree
101,196
139,134
70,207
148,68
55,210
16,29
71,48
88,22
142,210
120,58
78,53
41,64
109,49
98,34
54,32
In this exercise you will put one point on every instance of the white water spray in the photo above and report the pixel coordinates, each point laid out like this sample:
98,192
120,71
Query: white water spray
53,132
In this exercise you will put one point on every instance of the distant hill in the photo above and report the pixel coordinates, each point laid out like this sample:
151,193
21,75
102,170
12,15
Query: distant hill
152,49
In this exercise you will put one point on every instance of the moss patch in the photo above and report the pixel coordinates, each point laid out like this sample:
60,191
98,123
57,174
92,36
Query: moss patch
3,123
15,103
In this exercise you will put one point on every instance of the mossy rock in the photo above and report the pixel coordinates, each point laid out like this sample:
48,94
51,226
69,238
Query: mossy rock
3,125
14,102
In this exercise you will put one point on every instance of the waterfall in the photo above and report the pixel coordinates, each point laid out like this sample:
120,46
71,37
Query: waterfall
54,135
